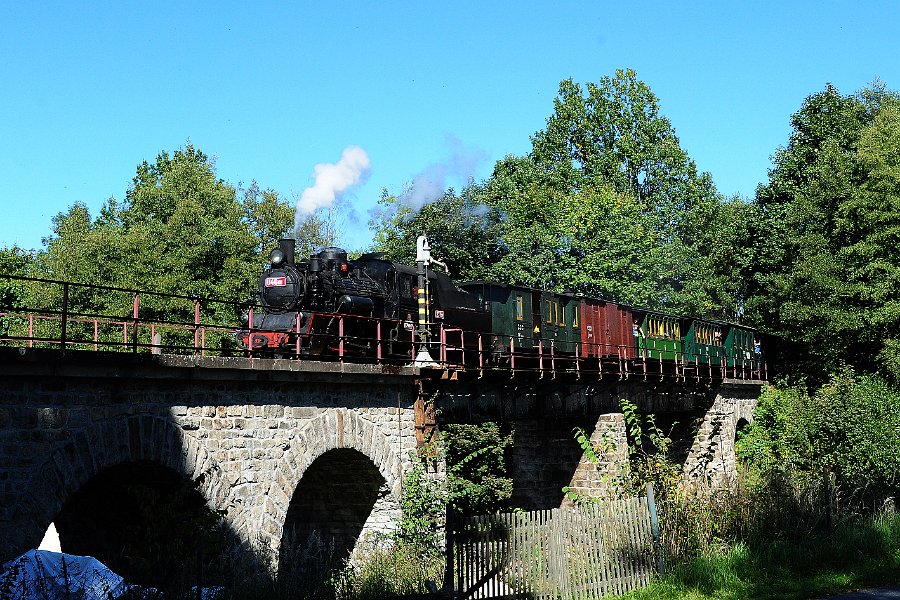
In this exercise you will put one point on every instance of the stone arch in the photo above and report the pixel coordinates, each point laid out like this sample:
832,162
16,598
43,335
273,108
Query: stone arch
711,463
333,429
105,444
339,506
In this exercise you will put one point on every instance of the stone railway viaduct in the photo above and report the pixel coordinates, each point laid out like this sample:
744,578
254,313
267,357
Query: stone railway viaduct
283,447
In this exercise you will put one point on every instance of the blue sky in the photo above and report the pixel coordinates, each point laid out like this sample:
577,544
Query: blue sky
89,90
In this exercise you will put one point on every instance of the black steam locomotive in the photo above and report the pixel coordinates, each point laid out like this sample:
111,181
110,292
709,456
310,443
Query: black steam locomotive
329,305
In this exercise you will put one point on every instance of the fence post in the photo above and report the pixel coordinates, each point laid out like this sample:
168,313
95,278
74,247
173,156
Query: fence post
449,524
654,530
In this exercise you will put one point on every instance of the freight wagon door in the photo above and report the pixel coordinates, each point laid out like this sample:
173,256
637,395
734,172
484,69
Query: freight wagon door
620,336
594,336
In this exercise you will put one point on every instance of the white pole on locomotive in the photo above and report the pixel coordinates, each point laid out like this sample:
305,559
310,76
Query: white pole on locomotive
423,259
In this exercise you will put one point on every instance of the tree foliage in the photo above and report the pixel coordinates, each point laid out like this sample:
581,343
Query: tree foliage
848,428
607,203
478,480
828,274
179,230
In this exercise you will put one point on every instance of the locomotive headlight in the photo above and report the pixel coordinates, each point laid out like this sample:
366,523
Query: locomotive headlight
276,257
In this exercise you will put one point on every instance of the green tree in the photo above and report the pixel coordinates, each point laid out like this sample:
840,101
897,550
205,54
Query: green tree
612,134
478,480
460,228
848,428
180,230
16,262
827,275
607,203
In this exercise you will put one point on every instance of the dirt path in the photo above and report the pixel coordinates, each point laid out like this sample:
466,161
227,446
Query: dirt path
889,593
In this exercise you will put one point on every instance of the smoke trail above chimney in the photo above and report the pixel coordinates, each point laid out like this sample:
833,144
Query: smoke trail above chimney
332,180
460,164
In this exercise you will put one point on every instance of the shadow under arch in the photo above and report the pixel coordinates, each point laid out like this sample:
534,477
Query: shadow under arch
149,449
741,427
340,495
110,442
147,523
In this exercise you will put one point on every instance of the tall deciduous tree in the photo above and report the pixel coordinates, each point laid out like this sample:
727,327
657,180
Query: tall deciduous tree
829,276
179,230
607,203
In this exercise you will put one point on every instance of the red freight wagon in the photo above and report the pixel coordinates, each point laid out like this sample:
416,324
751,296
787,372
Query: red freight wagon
606,329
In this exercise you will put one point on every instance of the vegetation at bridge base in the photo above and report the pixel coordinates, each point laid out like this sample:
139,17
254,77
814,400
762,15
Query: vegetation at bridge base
813,509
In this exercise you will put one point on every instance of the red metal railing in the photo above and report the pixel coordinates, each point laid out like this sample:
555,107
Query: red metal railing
129,323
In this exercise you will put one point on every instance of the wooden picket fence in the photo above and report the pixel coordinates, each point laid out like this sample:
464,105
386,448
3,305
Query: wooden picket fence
576,553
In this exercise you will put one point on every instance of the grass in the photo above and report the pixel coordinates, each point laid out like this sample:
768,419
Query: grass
865,553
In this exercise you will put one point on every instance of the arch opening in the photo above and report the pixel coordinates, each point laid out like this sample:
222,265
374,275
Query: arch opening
147,523
341,501
741,428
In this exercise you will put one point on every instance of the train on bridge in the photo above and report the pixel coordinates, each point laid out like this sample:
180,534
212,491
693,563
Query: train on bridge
374,309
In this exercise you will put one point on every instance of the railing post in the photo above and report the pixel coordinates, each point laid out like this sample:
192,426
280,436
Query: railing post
480,355
134,334
250,332
196,326
378,341
341,338
31,331
296,333
541,357
65,316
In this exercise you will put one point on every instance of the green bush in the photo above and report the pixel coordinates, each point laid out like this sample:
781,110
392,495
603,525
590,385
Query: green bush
847,432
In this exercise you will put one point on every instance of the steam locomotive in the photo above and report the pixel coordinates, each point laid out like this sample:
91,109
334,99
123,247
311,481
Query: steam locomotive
373,309
367,307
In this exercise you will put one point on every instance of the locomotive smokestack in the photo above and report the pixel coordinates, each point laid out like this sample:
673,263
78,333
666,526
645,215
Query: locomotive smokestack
287,246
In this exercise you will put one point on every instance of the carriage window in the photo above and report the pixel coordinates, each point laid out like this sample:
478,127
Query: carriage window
555,313
561,314
520,308
575,315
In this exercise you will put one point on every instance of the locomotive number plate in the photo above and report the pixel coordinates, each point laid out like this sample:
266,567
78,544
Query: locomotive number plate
276,281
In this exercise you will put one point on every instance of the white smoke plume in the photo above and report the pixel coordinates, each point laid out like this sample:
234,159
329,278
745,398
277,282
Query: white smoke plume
461,164
332,180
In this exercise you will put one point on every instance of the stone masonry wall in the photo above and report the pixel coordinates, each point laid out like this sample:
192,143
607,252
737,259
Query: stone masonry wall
711,462
546,458
248,443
